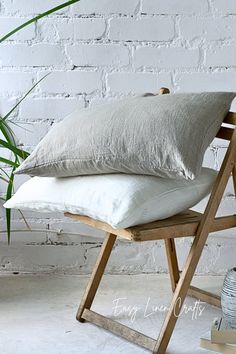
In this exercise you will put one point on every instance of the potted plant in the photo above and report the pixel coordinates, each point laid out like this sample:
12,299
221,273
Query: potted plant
7,139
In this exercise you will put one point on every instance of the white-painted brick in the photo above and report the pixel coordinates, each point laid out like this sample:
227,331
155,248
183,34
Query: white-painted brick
30,134
98,55
30,7
103,100
6,104
106,7
174,6
197,82
35,55
15,82
48,29
71,82
224,7
78,28
137,82
145,29
7,24
6,154
175,57
49,108
130,54
207,28
88,28
209,159
221,57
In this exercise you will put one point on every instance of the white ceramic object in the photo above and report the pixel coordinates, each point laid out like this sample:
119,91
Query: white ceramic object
228,297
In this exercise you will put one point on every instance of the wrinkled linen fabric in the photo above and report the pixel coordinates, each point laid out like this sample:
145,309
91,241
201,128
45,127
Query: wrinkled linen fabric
165,135
120,200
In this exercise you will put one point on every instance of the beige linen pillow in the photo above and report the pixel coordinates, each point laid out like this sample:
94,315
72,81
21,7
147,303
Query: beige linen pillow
164,135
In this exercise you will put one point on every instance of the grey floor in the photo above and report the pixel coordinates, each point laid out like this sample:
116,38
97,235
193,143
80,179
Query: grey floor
37,314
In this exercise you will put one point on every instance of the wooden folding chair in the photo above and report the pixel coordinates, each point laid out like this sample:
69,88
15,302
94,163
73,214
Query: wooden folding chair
189,223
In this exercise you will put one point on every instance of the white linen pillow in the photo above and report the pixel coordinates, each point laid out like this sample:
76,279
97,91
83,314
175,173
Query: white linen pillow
164,135
120,200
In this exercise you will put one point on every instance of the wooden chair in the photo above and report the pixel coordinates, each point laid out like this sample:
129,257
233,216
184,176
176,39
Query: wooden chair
189,223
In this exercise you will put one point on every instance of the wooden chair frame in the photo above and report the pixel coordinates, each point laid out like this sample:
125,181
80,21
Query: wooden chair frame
186,224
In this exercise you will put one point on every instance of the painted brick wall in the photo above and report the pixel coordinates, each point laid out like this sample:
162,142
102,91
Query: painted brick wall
97,51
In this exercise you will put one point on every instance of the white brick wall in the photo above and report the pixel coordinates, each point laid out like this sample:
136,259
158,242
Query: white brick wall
7,23
221,56
71,82
32,7
225,7
168,7
99,51
106,7
93,55
30,56
144,29
208,28
166,58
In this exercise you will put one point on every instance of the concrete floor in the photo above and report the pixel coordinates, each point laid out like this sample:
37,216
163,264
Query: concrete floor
38,314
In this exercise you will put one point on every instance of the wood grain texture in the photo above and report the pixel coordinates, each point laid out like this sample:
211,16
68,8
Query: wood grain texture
225,133
96,276
164,91
230,118
182,225
172,262
197,247
204,296
119,329
124,233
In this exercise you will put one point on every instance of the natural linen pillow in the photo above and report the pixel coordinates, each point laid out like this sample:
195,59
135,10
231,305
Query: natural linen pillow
120,200
163,135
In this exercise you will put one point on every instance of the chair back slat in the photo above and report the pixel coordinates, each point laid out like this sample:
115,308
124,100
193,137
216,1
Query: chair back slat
230,118
225,133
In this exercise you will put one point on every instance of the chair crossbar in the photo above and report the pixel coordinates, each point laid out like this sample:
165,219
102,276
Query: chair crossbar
119,329
204,296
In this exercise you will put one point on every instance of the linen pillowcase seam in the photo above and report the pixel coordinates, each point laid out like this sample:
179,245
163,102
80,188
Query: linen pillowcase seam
87,160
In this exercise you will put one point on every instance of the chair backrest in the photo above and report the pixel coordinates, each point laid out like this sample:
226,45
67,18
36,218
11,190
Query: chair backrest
227,132
228,165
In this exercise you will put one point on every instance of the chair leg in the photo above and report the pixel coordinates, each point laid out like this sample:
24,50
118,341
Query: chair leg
174,271
96,276
180,294
172,262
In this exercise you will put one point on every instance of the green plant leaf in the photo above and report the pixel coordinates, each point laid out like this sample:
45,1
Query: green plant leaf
7,131
8,211
4,172
46,13
8,162
3,179
18,152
